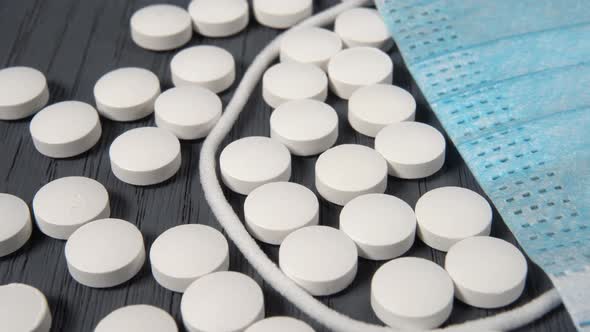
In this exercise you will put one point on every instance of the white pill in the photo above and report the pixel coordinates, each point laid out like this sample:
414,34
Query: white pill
349,170
206,66
311,45
105,253
65,204
137,318
145,156
281,14
15,225
219,18
413,150
363,27
185,253
280,323
65,129
372,108
222,301
189,112
448,215
320,259
411,292
306,126
383,226
356,67
24,308
292,81
250,162
23,91
161,27
487,272
126,94
274,210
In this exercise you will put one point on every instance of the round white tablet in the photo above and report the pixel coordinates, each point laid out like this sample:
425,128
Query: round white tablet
145,156
447,215
126,94
250,162
185,253
349,170
280,323
65,204
105,253
363,27
189,112
306,126
65,129
207,66
281,14
356,67
23,91
137,318
274,210
487,272
219,18
411,292
320,259
161,27
15,225
291,81
24,308
222,301
311,45
383,226
413,150
373,107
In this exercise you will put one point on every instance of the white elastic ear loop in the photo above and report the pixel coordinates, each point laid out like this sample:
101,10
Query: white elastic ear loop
258,259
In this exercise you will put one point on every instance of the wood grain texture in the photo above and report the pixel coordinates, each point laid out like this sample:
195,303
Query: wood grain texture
74,42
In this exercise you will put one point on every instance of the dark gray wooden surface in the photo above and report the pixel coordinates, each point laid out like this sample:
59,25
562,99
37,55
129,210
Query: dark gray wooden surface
74,42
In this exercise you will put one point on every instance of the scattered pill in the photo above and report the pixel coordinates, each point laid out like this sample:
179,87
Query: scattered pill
207,66
487,272
105,253
15,225
306,126
280,323
219,18
137,318
274,210
311,45
63,205
349,170
23,91
292,81
189,112
161,27
126,94
383,226
320,259
65,129
447,215
250,162
24,308
413,150
363,27
281,14
222,301
373,107
356,67
145,156
412,293
185,253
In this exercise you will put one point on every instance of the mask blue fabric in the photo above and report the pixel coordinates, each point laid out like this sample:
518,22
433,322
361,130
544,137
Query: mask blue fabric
510,83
